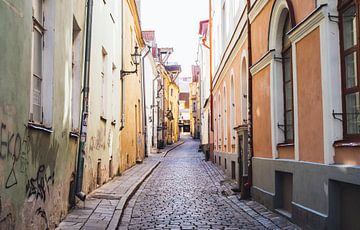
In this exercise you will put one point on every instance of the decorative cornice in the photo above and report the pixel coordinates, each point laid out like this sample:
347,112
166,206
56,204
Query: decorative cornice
308,24
256,9
262,63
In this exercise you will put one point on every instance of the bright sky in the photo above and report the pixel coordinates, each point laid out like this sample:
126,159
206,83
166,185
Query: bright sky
176,24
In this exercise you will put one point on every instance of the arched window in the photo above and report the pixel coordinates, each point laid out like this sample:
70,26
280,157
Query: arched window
244,92
215,125
232,111
281,81
219,121
225,120
287,83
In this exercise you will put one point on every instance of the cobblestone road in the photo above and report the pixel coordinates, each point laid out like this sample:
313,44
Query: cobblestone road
182,194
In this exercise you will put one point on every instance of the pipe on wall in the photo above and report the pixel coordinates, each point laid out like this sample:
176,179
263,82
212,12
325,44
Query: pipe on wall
85,102
143,98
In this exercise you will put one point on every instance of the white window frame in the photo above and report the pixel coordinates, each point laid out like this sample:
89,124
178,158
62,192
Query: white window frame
47,64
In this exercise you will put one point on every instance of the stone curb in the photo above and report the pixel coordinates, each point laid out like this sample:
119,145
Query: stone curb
115,220
172,148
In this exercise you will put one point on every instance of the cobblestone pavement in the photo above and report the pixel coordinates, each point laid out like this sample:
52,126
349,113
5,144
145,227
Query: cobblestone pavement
104,206
185,192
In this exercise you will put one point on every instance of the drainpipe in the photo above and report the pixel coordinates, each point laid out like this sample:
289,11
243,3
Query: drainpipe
211,130
250,118
122,67
85,103
143,98
153,110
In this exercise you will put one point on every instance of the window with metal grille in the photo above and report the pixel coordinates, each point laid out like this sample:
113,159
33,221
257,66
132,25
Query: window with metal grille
349,37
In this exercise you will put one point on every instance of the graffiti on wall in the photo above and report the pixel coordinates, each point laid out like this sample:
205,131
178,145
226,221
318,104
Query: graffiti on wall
39,186
16,149
41,212
6,220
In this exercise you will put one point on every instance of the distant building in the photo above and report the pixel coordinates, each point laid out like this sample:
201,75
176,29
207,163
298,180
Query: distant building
184,108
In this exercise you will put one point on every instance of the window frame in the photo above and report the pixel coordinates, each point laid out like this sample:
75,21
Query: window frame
283,52
342,7
37,27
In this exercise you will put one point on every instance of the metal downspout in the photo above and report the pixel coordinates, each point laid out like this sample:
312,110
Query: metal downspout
143,98
250,118
85,103
122,67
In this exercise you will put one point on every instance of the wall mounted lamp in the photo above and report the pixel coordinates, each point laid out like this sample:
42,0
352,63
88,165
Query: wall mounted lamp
136,56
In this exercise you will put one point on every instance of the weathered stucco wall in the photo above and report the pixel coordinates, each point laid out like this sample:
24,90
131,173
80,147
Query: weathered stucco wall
36,167
102,159
131,136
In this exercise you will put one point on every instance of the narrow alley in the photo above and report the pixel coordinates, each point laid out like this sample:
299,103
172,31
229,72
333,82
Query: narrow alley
186,192
179,114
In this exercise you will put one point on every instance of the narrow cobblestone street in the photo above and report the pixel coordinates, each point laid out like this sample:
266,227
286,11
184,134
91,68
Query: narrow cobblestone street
184,193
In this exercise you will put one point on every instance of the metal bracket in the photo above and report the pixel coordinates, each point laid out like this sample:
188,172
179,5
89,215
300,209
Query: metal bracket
333,18
280,59
281,127
337,114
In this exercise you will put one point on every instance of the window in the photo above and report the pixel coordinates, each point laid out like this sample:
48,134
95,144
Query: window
36,108
225,117
219,121
232,112
76,78
113,95
103,84
43,49
288,84
244,92
349,24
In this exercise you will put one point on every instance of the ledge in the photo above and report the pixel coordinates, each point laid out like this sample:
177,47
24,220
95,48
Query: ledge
308,24
264,61
39,127
284,145
346,143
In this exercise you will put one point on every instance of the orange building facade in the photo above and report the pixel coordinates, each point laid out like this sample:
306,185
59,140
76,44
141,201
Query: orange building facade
287,71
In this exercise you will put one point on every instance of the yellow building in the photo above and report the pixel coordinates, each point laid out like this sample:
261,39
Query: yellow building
194,101
132,146
169,109
173,133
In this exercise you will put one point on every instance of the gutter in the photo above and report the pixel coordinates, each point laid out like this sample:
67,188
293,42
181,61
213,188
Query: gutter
85,104
248,185
143,98
122,120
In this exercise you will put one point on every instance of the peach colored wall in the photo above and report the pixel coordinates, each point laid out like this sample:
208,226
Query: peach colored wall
286,152
347,155
235,66
311,146
259,32
261,113
302,9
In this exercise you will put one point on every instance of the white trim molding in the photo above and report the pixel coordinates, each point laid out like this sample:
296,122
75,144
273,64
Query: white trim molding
308,25
256,9
263,62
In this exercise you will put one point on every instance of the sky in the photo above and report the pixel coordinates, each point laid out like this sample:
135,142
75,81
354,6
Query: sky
176,24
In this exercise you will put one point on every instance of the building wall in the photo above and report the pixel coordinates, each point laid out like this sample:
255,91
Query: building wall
36,165
174,101
102,159
316,93
230,76
150,93
131,136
